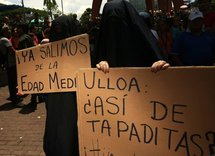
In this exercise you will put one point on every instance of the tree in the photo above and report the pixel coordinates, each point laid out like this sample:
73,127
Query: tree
51,6
23,11
85,21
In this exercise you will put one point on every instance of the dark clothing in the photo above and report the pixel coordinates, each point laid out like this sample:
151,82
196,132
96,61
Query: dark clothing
10,64
63,27
25,41
61,131
33,104
61,134
124,39
195,50
12,84
4,48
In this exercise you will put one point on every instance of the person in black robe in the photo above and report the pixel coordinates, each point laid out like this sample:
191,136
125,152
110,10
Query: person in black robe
125,40
61,131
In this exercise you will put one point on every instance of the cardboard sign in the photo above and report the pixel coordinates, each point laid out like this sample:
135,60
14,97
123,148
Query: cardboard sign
52,67
134,112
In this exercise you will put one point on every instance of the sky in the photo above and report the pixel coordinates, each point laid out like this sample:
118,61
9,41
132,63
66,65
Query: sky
69,6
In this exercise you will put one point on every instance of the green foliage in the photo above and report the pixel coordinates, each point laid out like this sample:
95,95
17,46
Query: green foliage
53,11
22,11
50,4
51,7
85,21
213,5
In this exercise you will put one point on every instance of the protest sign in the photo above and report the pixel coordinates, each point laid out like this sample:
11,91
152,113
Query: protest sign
134,112
52,67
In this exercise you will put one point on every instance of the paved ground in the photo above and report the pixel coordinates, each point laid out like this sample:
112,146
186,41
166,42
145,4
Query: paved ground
21,131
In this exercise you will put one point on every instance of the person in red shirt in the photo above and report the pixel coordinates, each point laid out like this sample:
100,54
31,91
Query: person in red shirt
209,15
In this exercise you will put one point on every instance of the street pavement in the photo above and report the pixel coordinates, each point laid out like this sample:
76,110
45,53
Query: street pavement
21,130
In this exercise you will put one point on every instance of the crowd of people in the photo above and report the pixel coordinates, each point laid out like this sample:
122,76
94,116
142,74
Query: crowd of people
125,38
17,35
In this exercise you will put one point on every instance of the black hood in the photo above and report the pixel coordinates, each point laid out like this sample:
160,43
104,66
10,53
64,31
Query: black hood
63,27
124,39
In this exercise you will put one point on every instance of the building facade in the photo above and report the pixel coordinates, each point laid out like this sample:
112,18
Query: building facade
145,5
151,5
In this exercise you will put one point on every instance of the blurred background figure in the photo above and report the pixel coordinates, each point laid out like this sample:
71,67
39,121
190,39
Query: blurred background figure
38,23
147,17
165,36
194,47
8,52
46,34
205,7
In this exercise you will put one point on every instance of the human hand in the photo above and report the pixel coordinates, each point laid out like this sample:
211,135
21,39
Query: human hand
159,65
19,93
103,66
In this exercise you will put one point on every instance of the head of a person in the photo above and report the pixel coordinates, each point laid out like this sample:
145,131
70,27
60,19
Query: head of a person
5,31
196,21
36,15
14,32
17,17
74,16
32,28
6,19
204,5
22,28
63,27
